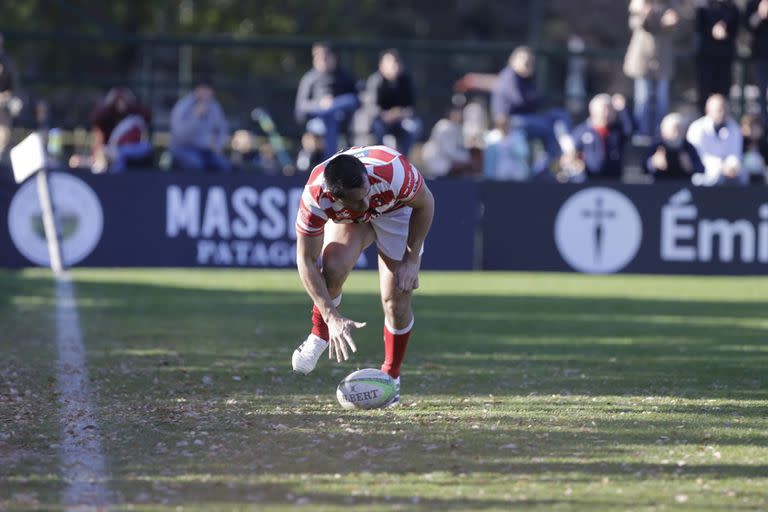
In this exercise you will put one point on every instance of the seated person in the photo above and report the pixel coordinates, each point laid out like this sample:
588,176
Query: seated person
389,95
120,134
718,140
312,148
326,92
506,156
672,157
599,142
199,131
515,102
444,154
755,149
243,154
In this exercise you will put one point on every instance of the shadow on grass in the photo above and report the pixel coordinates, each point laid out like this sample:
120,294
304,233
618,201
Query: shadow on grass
171,363
492,344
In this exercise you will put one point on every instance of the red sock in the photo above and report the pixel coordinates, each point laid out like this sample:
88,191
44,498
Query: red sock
319,327
395,344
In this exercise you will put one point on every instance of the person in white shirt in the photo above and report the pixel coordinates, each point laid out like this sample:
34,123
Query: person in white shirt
718,140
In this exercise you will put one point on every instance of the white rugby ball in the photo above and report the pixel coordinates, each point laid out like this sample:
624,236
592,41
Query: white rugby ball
368,388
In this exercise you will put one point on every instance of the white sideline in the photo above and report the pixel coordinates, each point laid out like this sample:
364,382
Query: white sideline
84,469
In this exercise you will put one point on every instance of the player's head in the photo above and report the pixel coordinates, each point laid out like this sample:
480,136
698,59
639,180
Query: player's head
522,61
323,57
346,179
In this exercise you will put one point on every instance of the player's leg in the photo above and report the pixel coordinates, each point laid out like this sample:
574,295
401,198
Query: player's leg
398,317
391,236
342,247
398,321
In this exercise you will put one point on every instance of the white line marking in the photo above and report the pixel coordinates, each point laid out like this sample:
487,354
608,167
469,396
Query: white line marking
84,467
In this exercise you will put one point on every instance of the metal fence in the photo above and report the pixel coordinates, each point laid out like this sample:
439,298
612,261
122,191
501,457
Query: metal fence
71,71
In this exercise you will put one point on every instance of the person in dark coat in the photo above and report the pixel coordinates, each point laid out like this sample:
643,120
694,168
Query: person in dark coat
599,142
756,17
717,25
327,92
672,157
389,94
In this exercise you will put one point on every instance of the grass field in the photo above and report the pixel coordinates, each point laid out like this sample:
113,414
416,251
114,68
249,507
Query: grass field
543,392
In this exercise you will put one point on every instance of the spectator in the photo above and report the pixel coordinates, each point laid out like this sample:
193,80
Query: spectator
515,101
598,150
444,154
757,22
650,59
755,149
389,94
326,92
717,138
506,156
10,104
199,131
311,152
243,155
673,157
120,133
717,25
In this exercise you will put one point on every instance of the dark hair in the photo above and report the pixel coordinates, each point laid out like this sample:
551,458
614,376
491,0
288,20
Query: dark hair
393,52
325,45
343,172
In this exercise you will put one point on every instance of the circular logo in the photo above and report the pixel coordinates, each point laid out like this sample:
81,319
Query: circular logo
598,231
78,215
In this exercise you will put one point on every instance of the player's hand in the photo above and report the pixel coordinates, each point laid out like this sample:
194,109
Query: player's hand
762,9
340,337
406,277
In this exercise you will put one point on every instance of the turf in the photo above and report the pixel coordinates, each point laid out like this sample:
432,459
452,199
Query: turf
544,392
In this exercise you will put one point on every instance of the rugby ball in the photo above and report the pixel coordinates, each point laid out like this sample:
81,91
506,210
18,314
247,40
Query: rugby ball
368,388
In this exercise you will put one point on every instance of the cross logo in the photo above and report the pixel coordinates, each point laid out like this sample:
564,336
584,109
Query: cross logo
598,230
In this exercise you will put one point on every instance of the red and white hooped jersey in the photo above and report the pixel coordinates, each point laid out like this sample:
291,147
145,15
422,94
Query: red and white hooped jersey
394,182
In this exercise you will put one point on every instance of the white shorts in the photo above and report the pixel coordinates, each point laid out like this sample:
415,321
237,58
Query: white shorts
391,232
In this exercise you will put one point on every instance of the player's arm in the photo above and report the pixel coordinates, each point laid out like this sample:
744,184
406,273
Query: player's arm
307,254
423,206
308,249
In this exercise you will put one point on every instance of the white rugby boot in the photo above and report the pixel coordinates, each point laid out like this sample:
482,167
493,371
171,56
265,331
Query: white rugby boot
306,356
395,401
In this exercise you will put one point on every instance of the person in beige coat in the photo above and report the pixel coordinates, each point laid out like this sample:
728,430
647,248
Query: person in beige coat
650,59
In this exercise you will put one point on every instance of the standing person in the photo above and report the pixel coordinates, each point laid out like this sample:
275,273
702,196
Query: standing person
389,94
717,25
372,194
199,131
757,22
650,59
327,92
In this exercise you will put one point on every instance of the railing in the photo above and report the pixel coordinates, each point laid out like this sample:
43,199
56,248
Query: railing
72,70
